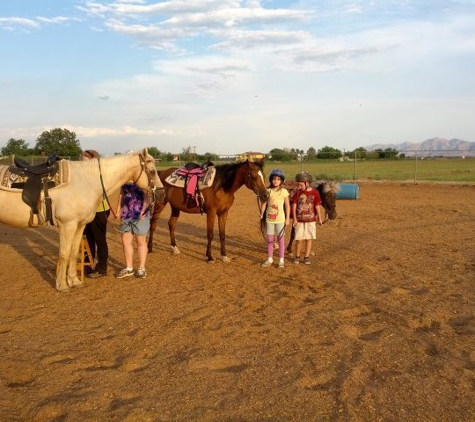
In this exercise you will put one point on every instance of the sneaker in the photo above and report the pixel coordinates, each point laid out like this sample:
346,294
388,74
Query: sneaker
306,260
125,273
297,260
281,264
141,273
267,263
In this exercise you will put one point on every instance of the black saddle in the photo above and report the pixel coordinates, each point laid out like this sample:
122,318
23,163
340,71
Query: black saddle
193,166
47,167
38,177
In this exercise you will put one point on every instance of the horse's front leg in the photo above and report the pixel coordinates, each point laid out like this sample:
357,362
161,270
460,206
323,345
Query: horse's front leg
73,279
171,228
66,236
210,219
222,235
157,209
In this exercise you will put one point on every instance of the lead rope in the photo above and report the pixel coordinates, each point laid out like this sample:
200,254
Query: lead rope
104,193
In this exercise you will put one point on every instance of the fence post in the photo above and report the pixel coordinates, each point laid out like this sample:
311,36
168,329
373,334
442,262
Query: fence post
415,168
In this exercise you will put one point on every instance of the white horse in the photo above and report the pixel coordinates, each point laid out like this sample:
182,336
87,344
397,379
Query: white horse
74,203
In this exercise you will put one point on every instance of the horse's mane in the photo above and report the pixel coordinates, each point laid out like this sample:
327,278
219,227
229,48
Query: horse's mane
112,165
328,186
226,173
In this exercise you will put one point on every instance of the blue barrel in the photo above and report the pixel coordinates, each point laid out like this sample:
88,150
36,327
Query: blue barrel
348,191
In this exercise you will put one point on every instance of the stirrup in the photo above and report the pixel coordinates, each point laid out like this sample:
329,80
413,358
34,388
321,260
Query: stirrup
39,218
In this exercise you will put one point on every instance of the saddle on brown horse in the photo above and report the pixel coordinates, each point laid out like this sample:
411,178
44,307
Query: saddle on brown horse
39,177
190,176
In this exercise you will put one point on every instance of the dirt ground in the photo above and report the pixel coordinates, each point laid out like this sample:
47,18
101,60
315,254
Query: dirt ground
380,326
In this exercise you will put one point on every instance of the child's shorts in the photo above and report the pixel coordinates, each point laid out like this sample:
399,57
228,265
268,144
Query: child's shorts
305,231
275,229
136,227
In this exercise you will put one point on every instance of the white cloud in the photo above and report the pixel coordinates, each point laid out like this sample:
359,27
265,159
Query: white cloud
256,72
11,22
57,19
91,132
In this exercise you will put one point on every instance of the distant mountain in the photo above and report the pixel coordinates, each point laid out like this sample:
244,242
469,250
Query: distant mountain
431,148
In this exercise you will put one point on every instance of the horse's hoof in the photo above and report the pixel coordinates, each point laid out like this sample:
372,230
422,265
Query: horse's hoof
210,260
63,289
225,259
175,250
291,255
79,285
76,283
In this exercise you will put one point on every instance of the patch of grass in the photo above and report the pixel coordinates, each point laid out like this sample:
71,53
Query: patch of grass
440,169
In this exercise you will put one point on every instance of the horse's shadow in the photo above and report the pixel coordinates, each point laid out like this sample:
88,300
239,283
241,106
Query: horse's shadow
37,246
190,237
40,248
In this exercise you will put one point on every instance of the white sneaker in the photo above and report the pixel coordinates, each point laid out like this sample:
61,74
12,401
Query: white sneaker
125,273
141,273
267,263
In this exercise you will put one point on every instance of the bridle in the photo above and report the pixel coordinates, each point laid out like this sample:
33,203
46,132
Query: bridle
143,169
252,186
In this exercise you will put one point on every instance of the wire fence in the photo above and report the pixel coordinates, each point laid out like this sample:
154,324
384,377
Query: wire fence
407,165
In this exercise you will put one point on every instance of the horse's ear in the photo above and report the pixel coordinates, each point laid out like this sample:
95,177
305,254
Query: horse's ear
145,152
260,163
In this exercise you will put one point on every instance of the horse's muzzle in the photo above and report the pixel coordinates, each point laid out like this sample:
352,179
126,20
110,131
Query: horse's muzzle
160,194
264,196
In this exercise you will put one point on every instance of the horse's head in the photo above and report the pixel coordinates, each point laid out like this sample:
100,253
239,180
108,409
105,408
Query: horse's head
148,177
327,191
255,179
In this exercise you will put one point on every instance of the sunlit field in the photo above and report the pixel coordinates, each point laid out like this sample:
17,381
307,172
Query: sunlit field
433,169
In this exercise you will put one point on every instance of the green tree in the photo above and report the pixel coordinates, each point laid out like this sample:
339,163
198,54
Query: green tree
311,153
154,152
62,142
360,152
16,147
208,156
188,154
169,156
387,154
277,154
329,153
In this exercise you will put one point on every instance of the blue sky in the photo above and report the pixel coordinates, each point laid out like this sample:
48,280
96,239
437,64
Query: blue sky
228,76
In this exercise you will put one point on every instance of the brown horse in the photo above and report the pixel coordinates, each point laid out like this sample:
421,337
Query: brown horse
327,191
217,200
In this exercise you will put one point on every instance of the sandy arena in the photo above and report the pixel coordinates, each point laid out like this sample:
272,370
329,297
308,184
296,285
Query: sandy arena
380,327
